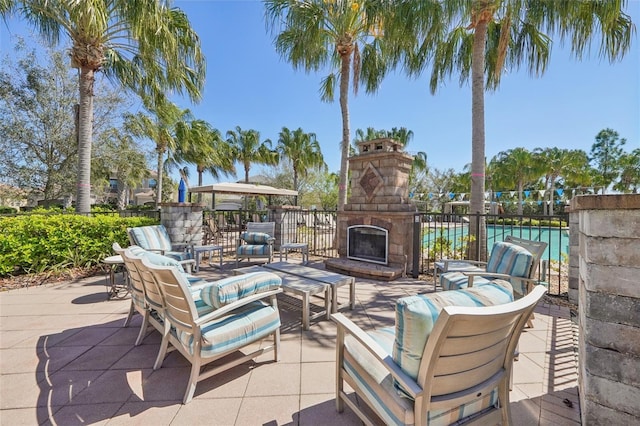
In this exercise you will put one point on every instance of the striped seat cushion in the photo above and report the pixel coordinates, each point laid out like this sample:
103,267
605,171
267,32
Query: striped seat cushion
393,407
254,250
511,259
231,289
416,316
244,325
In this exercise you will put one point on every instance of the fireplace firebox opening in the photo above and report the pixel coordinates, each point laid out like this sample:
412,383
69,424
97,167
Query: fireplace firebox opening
368,243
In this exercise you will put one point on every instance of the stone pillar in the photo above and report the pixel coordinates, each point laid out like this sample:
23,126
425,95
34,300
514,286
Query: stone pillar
574,256
609,308
183,222
285,220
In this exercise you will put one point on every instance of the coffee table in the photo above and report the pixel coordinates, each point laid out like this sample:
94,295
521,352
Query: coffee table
301,287
302,247
333,279
198,250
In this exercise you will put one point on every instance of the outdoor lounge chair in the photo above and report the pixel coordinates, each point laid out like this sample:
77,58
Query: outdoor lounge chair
145,295
238,317
507,261
156,238
256,242
536,248
448,360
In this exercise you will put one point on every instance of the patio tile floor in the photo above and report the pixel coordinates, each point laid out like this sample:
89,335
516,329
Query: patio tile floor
66,359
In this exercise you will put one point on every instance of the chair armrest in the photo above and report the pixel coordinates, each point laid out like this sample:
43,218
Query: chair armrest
235,305
495,275
187,264
345,325
471,262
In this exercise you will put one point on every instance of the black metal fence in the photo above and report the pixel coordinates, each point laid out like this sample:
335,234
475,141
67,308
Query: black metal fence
447,236
314,227
441,236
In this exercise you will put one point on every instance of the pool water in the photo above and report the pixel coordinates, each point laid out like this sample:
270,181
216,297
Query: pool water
556,238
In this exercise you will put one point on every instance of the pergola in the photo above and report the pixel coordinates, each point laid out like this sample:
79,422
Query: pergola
241,189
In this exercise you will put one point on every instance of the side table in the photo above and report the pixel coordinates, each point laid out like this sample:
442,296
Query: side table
302,247
198,250
115,290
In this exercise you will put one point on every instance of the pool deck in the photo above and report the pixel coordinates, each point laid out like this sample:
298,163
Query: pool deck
66,359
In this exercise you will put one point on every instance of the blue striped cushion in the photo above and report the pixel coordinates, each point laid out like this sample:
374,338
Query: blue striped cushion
240,327
254,250
511,259
228,290
416,315
152,237
255,237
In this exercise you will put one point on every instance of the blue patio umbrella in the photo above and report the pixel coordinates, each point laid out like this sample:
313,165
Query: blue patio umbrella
182,191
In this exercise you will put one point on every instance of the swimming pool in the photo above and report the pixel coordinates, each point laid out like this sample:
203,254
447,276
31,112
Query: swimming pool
556,238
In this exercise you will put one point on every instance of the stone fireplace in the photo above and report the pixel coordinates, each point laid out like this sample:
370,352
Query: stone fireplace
368,244
375,230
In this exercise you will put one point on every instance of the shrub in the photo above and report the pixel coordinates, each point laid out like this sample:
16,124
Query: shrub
8,210
37,243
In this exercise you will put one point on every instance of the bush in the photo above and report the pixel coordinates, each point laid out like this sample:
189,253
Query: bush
38,243
7,210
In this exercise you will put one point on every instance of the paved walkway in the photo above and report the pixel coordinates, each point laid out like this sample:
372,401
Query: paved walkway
66,359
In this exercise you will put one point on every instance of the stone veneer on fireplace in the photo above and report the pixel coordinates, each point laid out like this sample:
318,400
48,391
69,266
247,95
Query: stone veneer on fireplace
379,198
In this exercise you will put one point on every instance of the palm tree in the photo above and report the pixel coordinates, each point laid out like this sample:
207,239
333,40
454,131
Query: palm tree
207,150
492,35
144,45
317,33
514,168
557,163
303,150
166,125
247,148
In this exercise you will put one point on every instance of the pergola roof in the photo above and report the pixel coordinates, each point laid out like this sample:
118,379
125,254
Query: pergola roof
242,188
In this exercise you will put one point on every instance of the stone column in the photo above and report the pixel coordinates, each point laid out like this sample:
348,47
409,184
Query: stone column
574,256
609,308
183,222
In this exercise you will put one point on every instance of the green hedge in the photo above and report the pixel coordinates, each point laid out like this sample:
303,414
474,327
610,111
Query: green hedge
38,243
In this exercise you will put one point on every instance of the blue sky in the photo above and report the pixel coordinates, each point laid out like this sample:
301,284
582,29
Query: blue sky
248,85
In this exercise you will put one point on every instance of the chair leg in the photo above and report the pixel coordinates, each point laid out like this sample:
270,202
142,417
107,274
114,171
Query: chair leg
193,380
163,346
132,310
143,328
276,345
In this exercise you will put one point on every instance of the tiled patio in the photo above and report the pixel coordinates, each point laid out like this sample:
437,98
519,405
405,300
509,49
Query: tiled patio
65,359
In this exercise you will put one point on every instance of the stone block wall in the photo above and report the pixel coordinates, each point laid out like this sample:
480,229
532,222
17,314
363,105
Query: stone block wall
609,308
183,222
574,256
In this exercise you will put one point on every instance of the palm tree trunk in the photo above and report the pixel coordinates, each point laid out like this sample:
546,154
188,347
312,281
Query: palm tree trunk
344,108
159,178
476,205
553,183
85,131
520,185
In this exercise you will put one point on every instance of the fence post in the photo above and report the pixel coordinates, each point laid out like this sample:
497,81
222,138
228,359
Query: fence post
417,244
